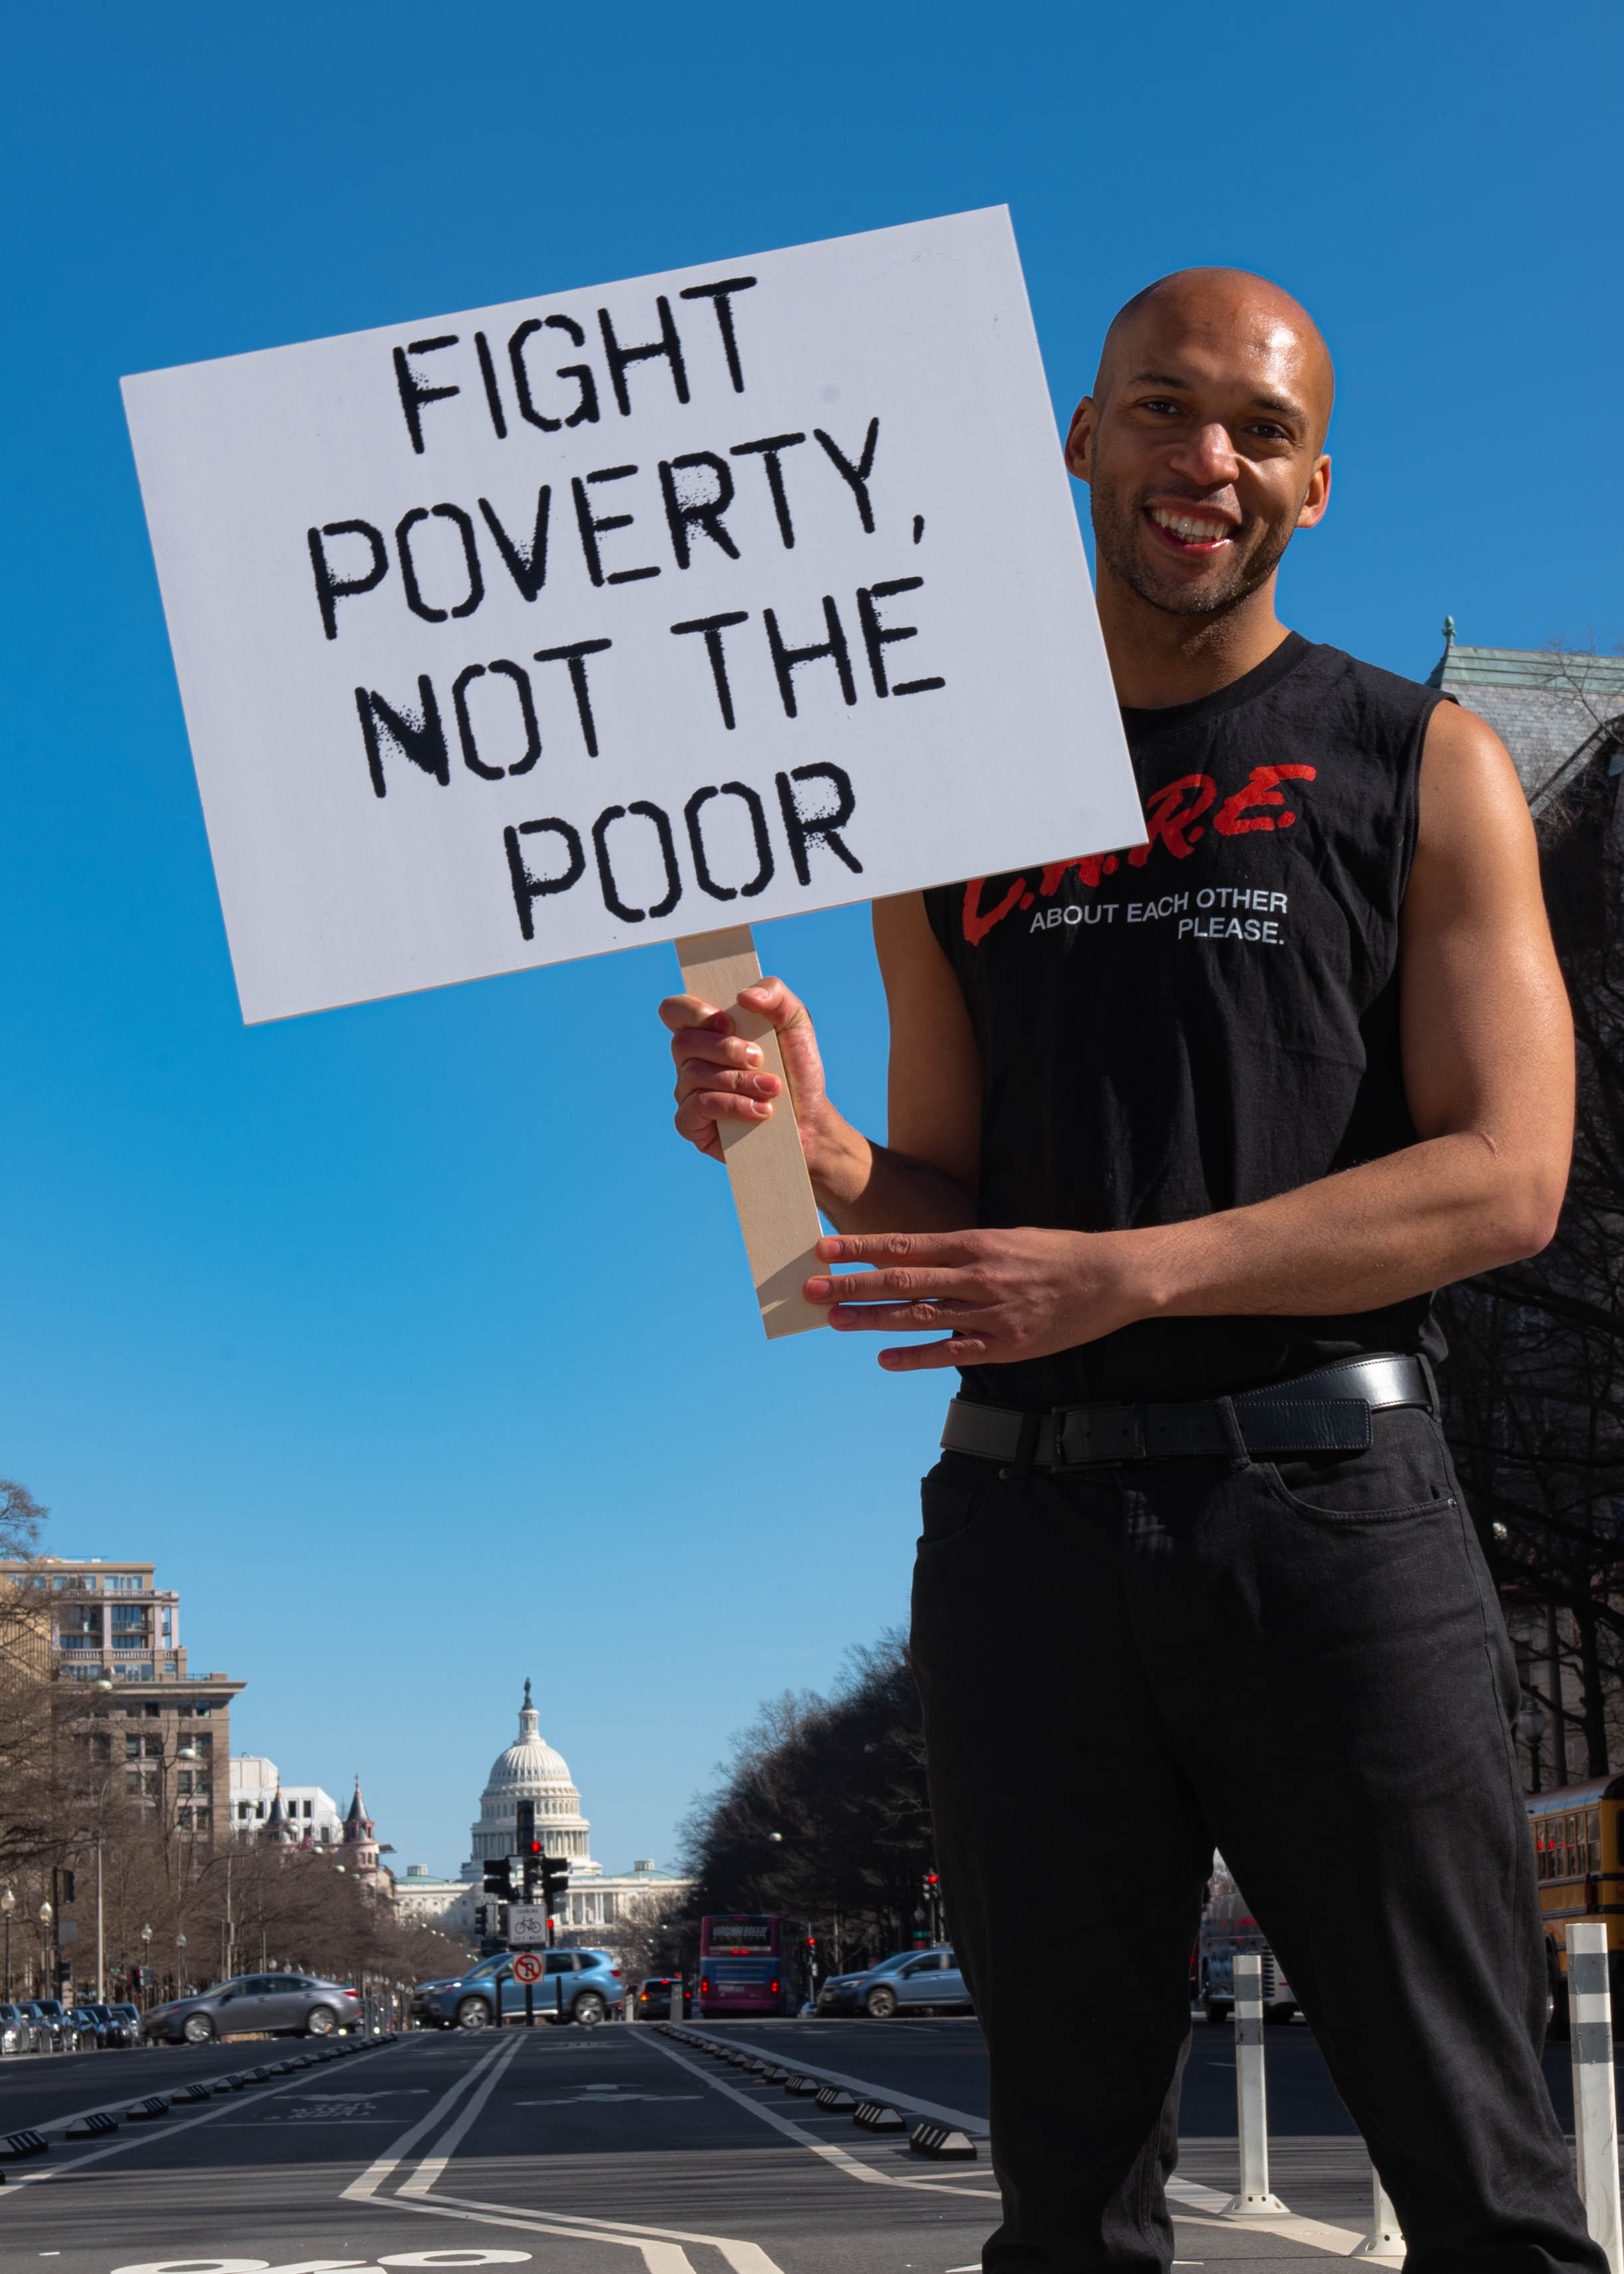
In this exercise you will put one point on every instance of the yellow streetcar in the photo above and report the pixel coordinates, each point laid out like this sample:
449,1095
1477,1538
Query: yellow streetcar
1579,1856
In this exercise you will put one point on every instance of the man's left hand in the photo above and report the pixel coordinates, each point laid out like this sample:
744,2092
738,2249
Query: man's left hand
1002,1295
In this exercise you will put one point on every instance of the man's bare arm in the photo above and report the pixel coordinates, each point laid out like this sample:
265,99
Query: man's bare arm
1488,1064
925,1180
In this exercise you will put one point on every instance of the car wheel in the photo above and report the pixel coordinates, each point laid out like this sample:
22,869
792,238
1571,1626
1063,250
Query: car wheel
473,2014
198,2030
1274,2015
321,2021
880,2003
588,2009
1215,2009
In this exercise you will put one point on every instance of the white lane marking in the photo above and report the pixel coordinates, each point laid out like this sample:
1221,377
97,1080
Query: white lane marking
838,2157
667,2258
199,2265
1337,2241
362,2189
430,2169
890,2095
39,2174
1192,2191
458,2258
606,2095
743,2257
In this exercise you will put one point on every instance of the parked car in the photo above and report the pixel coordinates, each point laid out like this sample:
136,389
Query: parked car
120,2023
663,1997
284,2004
45,2014
16,2028
578,1985
922,1980
100,2027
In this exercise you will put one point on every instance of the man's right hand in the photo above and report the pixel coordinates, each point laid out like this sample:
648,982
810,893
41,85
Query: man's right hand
722,1077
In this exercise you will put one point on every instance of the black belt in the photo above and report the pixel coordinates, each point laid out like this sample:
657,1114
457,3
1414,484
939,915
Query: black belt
1325,1412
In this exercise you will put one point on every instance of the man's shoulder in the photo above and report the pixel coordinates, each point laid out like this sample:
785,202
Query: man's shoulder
1372,681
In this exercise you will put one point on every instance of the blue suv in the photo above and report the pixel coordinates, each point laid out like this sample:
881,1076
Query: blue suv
578,1985
919,1979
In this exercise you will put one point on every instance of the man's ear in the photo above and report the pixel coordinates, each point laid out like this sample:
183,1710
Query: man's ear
1079,439
1318,495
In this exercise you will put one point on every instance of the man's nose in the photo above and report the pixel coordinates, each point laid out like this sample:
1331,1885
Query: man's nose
1207,456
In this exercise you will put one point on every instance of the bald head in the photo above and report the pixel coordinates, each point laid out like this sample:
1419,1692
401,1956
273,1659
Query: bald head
1203,441
1228,313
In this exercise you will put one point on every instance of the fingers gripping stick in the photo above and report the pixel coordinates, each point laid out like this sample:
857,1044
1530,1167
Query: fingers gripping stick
765,1165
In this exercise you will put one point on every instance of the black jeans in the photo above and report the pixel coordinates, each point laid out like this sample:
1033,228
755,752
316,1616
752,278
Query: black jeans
1303,1662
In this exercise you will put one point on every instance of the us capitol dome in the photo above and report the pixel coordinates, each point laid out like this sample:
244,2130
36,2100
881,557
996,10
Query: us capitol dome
530,1770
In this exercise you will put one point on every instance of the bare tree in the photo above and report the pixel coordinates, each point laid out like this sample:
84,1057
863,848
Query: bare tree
823,1817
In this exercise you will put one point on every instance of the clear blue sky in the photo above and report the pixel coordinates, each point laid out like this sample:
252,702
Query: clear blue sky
406,1339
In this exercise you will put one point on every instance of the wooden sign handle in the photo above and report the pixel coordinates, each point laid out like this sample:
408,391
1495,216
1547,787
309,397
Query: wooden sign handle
765,1165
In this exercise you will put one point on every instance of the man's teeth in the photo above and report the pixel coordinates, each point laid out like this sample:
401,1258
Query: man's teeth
1192,532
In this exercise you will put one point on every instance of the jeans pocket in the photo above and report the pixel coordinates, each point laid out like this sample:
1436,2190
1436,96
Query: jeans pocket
950,1497
1404,1472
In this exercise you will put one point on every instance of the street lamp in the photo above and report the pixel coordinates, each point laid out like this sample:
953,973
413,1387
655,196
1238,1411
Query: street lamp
146,1963
46,1917
180,1963
8,1904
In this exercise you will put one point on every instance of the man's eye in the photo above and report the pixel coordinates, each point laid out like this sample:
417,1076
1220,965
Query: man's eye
1159,402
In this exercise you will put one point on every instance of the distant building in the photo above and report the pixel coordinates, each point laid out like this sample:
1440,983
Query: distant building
311,1815
1559,715
114,1629
530,1769
262,1807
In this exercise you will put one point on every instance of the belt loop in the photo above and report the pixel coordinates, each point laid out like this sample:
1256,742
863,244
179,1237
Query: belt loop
1026,1445
1436,1407
1234,1441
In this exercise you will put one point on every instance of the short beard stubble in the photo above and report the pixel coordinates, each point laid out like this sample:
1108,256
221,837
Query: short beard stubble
1120,546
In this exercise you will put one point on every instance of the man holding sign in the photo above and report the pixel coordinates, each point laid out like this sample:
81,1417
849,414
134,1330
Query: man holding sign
1181,1138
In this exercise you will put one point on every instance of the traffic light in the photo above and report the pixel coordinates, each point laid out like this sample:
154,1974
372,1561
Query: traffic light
498,1878
529,1846
67,1887
554,1880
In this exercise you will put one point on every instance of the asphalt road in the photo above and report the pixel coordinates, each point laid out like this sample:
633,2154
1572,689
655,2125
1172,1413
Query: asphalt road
563,2150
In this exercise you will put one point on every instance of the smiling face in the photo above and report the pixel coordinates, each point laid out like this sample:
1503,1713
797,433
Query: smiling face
1201,442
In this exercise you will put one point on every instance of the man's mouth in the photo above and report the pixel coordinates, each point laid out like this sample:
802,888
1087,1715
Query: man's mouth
1191,532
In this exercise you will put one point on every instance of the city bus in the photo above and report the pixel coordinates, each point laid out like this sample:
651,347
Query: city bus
1579,1859
741,1967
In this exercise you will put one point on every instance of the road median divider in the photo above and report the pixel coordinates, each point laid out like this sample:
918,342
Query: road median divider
941,2144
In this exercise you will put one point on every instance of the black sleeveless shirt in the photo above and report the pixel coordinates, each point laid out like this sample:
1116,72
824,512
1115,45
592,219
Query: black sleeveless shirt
1210,1019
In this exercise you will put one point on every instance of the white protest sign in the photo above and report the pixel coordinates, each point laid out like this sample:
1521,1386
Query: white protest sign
613,616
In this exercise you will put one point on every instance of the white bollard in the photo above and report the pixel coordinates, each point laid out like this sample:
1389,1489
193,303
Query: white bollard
1595,2115
1254,2200
1386,2238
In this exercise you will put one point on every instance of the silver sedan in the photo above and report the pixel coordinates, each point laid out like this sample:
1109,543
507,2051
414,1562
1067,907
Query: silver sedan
298,2005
